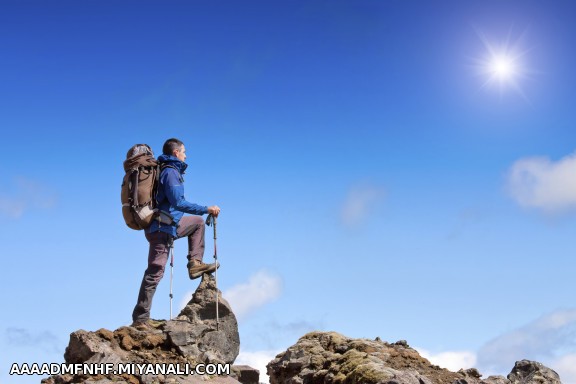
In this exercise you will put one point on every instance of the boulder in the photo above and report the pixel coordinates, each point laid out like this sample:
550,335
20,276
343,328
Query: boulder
195,332
246,374
193,337
331,358
532,372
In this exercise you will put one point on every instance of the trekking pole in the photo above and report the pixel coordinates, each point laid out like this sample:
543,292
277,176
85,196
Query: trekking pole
171,245
211,220
216,274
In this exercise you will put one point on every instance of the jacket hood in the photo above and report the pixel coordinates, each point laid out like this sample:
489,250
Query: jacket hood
173,161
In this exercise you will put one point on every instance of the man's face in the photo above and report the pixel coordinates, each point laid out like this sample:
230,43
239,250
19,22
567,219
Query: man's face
180,153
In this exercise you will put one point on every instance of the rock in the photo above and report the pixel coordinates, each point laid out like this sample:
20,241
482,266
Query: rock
496,380
331,358
91,347
471,372
192,338
246,374
532,372
194,332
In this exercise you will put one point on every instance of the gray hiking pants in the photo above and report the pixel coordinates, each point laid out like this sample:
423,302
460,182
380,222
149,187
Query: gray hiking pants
191,227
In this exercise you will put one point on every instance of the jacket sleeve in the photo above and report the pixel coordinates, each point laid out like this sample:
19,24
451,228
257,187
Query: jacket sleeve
175,194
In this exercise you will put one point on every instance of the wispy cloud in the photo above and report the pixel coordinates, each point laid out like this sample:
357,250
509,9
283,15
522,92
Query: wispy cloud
565,366
362,200
538,182
451,360
274,334
24,194
20,337
547,339
468,219
261,288
298,328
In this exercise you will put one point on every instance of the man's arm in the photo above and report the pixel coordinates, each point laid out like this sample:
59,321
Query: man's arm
175,194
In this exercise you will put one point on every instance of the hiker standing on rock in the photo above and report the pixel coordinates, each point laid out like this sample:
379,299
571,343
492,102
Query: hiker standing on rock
171,225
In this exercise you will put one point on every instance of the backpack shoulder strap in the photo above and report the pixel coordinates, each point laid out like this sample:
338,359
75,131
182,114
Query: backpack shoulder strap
161,168
164,166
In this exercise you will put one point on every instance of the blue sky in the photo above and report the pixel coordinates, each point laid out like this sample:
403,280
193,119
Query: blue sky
375,177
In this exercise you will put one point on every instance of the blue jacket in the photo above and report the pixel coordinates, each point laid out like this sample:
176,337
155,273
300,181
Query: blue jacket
170,195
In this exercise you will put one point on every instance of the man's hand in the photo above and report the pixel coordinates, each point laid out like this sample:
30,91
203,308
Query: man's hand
214,210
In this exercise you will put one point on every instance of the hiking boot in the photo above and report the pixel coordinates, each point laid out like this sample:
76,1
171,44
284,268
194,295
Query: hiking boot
156,323
197,268
146,326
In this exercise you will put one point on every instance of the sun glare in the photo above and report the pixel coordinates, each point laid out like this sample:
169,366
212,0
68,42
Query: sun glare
502,65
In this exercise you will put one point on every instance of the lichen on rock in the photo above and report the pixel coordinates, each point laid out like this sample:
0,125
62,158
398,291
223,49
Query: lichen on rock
331,358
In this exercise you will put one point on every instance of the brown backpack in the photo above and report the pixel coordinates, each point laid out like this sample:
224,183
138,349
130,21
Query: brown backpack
139,187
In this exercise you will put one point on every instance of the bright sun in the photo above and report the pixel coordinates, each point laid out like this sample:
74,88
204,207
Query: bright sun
503,65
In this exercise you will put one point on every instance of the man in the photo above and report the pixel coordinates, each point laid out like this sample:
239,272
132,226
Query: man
171,225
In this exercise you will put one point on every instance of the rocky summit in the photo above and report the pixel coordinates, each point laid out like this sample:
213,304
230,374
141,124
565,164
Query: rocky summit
168,352
331,358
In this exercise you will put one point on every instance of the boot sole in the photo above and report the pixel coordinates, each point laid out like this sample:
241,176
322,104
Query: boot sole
196,275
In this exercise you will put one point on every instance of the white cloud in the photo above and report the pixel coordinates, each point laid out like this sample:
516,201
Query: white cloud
261,288
258,360
565,366
24,194
537,182
547,339
550,340
451,360
360,202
